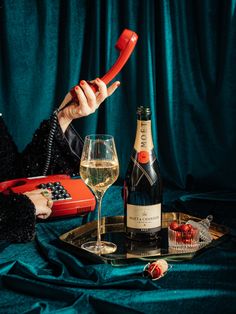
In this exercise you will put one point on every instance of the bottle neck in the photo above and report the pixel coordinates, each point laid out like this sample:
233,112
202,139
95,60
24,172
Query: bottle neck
143,140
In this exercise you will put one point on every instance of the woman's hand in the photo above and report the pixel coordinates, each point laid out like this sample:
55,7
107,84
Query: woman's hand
42,202
89,101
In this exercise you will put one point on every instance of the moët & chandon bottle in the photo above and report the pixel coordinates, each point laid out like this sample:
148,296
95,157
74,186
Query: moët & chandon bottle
142,185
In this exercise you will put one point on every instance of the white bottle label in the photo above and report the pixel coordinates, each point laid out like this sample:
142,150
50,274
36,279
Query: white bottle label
144,217
143,139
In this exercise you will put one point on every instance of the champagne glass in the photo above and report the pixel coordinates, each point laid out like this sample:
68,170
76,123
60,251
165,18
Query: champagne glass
99,169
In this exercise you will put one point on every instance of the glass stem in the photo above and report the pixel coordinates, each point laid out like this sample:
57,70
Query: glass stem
99,202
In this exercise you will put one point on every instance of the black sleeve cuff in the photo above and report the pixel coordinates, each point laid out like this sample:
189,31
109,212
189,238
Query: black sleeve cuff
74,141
17,218
65,151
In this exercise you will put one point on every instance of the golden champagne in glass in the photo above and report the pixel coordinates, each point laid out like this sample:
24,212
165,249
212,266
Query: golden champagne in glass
99,169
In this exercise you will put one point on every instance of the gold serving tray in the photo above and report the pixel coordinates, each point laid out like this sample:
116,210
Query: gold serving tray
112,229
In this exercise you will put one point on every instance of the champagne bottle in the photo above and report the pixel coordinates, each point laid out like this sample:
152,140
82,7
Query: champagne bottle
142,185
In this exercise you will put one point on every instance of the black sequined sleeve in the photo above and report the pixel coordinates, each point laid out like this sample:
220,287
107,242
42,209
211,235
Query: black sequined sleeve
17,212
17,218
9,156
65,153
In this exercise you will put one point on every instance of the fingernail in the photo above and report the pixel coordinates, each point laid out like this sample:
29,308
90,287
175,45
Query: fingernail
118,84
82,82
76,87
98,79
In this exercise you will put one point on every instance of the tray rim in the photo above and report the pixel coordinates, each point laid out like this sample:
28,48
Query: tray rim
109,220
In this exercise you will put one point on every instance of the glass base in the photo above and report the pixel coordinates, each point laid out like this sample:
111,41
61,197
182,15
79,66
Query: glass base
104,247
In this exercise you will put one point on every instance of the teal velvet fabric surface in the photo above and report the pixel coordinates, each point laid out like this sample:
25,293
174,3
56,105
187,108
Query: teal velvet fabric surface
183,67
43,277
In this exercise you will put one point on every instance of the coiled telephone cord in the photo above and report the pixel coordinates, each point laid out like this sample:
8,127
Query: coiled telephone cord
51,136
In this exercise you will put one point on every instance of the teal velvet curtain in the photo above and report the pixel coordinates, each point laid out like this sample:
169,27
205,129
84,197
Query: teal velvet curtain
183,67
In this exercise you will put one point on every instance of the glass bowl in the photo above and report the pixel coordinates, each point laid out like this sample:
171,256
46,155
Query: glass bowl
183,241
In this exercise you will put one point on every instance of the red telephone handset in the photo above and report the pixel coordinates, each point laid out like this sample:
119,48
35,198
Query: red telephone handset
125,44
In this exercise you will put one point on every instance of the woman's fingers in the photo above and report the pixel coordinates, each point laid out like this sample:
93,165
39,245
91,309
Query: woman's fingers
102,91
42,202
45,215
112,88
109,91
90,98
88,101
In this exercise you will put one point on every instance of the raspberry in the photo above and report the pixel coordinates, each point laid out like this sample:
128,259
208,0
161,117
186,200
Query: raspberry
174,225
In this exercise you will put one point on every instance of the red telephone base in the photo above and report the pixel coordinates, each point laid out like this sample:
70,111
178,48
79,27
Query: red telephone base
78,200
